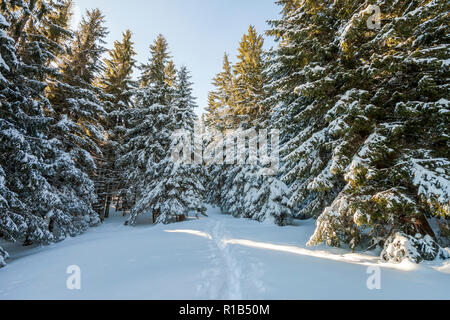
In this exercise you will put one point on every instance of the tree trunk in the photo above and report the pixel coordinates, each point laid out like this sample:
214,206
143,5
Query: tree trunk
51,225
107,205
425,227
156,214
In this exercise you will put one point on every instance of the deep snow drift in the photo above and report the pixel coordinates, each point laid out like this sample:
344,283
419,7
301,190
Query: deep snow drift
218,257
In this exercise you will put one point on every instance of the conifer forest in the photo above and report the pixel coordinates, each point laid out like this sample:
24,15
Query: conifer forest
319,166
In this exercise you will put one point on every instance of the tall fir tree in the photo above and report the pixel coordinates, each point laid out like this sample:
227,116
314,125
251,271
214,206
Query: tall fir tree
78,102
238,98
222,100
181,185
237,111
155,71
167,190
43,193
118,85
136,152
301,117
184,102
250,81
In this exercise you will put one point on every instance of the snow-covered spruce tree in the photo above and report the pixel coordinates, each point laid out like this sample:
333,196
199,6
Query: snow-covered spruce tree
242,190
168,190
184,103
116,81
222,99
368,145
219,120
236,102
249,82
307,145
144,143
12,210
78,103
41,191
245,192
183,180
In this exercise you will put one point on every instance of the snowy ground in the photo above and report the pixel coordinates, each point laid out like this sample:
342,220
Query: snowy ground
213,258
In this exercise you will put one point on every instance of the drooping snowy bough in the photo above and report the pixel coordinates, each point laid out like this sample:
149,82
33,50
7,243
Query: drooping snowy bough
365,119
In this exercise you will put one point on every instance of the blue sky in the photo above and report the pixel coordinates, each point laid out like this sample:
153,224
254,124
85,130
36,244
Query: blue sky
198,31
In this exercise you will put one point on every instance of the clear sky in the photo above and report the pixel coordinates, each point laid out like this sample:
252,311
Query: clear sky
198,31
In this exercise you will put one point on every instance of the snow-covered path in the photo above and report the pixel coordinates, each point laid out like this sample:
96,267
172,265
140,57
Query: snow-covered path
212,258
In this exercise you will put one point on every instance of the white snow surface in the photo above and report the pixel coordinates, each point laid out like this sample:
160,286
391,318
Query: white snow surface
218,257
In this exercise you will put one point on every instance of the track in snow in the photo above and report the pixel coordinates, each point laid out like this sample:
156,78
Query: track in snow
223,279
218,257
